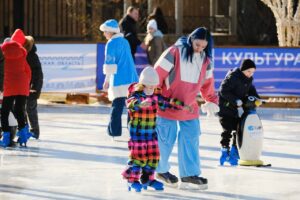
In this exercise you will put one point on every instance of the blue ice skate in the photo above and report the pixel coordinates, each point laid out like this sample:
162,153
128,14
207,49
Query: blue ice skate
5,139
23,136
234,155
234,152
154,184
228,156
225,156
136,185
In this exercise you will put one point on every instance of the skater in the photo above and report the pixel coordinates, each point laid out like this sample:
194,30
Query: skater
120,72
143,101
184,70
17,75
36,85
154,42
233,89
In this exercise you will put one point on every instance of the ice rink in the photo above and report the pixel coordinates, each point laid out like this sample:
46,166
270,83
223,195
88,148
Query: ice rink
75,159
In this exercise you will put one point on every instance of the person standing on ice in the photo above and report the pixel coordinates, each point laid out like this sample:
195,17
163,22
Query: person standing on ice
184,70
234,88
143,101
17,75
119,71
36,85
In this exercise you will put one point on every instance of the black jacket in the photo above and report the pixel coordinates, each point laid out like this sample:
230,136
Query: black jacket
235,86
1,70
37,76
128,27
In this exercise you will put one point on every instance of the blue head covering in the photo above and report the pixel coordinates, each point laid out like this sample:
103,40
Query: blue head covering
200,33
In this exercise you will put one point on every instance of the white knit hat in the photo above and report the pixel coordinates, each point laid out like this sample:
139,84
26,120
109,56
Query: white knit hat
149,77
152,23
110,25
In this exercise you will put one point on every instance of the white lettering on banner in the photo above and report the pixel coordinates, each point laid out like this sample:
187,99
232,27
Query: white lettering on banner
61,60
57,86
297,60
278,59
229,58
226,57
268,57
288,57
238,57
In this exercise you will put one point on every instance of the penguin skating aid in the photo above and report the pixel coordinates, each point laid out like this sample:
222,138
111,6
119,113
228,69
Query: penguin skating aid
250,134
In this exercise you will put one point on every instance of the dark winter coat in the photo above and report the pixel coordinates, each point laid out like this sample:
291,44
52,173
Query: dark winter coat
1,70
37,76
17,73
235,86
129,29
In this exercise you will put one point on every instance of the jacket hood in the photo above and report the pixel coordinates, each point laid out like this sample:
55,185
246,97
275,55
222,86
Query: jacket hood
13,50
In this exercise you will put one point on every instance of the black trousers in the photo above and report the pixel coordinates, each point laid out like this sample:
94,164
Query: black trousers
229,125
32,114
17,103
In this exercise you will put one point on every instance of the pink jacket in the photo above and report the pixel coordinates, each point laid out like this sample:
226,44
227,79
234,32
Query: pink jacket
184,80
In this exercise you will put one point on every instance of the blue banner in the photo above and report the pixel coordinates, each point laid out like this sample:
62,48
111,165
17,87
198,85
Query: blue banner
277,69
277,73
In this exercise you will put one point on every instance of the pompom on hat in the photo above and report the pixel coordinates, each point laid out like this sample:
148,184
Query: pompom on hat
247,64
149,76
110,25
18,36
152,23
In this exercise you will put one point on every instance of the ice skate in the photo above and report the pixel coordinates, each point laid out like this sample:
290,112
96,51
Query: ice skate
5,142
229,157
136,185
234,156
154,184
193,182
168,179
225,156
23,136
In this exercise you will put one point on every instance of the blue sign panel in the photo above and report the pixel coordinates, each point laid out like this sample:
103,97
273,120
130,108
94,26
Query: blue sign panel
277,73
277,69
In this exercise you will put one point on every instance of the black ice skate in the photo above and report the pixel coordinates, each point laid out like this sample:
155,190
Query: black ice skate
193,182
168,179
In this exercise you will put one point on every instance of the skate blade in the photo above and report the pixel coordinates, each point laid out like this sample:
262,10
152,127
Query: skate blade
191,186
171,185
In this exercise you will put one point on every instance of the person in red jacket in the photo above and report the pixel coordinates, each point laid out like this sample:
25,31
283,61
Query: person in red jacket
17,75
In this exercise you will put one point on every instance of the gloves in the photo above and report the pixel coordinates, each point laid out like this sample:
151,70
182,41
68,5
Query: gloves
239,103
210,108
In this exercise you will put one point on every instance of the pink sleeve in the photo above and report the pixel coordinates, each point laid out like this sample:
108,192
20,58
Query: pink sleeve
208,91
165,63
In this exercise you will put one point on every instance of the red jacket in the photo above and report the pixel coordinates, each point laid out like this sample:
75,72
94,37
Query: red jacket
17,73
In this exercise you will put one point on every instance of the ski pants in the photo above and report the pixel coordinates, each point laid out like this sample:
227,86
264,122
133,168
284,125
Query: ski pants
229,124
32,114
18,103
143,160
188,145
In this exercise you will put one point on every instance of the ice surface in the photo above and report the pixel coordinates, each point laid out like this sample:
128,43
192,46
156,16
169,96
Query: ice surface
75,159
